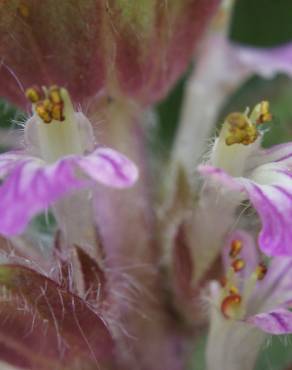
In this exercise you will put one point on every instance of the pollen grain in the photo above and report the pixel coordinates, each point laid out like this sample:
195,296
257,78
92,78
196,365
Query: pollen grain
240,130
48,107
235,248
238,264
261,271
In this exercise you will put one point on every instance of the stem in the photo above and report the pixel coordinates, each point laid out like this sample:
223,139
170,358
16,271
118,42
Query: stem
127,223
211,83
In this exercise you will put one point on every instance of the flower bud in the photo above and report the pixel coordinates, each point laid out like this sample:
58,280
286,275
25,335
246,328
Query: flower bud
132,48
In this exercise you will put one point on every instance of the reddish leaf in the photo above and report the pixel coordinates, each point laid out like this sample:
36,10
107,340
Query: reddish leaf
182,262
148,69
93,275
102,46
43,325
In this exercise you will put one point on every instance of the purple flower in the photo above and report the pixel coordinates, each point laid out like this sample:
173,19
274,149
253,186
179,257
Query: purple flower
266,61
58,160
254,291
243,170
252,300
239,60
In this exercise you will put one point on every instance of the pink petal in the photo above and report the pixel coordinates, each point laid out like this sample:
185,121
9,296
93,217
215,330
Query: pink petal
278,321
8,161
274,206
31,186
276,287
109,167
266,61
281,154
220,176
272,202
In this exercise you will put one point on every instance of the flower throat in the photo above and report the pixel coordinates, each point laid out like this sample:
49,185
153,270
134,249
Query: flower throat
56,122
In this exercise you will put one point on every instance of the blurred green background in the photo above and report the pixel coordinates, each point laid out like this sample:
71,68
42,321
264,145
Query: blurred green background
255,22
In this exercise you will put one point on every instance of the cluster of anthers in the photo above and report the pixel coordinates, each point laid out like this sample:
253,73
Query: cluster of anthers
233,302
47,103
243,128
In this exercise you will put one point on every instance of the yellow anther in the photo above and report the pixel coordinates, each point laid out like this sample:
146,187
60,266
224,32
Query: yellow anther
238,264
49,104
264,113
235,248
237,120
33,94
42,109
54,95
233,289
241,130
23,10
230,306
57,112
57,103
261,271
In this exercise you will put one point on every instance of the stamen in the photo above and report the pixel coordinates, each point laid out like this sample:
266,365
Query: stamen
230,306
235,248
238,264
54,95
33,94
57,112
261,271
241,130
233,289
264,114
50,107
43,109
56,99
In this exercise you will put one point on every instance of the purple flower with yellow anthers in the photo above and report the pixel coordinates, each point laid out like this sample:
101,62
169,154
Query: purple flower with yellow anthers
59,159
243,170
252,299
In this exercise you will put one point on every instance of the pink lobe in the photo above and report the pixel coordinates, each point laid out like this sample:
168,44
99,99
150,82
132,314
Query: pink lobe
31,186
220,176
278,321
267,62
273,204
110,168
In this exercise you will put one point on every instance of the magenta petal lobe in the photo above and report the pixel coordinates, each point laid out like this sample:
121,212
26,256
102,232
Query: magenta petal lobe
30,186
267,62
278,321
273,204
220,176
110,168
